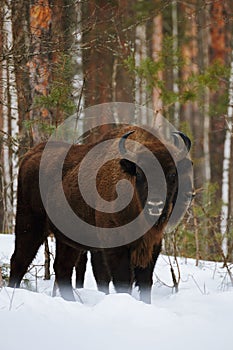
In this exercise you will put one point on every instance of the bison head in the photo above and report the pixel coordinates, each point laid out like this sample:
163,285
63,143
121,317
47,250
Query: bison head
172,184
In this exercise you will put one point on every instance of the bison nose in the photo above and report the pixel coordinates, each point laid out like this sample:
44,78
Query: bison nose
155,207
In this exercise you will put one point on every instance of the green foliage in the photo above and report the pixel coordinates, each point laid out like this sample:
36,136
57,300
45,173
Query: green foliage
43,127
59,101
211,78
171,57
220,105
198,234
190,89
60,96
145,8
56,99
213,75
185,241
208,203
148,70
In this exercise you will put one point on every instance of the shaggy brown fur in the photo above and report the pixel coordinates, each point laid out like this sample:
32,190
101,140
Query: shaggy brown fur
143,259
123,264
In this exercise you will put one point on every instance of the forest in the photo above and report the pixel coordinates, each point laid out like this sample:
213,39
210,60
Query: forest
58,57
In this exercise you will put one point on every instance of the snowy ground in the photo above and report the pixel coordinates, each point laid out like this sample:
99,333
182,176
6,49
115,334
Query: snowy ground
199,316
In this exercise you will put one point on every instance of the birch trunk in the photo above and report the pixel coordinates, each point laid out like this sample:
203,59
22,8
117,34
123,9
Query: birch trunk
9,127
1,119
227,162
140,54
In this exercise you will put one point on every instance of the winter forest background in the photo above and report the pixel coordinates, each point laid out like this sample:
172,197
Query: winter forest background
59,56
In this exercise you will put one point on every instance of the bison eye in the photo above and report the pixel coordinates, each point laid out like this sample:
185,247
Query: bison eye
172,175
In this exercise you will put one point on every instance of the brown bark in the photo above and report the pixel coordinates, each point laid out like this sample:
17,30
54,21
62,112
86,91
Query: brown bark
20,26
21,39
47,261
218,33
217,120
125,34
98,57
191,114
106,44
62,37
39,60
157,38
217,53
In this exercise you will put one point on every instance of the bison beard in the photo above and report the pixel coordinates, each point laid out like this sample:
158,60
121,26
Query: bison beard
123,265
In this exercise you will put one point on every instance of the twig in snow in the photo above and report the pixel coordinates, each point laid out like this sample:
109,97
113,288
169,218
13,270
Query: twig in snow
79,296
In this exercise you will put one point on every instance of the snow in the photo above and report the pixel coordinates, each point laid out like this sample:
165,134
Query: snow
198,316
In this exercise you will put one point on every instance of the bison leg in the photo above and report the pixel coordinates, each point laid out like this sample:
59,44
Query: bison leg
30,235
144,277
64,263
80,268
119,264
101,271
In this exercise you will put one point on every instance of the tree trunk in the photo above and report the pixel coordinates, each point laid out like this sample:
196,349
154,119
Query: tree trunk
227,164
47,261
108,39
39,62
123,88
217,120
63,20
230,210
217,53
175,70
98,57
157,39
9,157
1,119
21,53
191,116
140,55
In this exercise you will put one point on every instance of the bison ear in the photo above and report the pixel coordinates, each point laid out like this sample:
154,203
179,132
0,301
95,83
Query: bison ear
128,166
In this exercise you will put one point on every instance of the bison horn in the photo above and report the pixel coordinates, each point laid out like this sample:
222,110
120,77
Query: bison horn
122,142
184,137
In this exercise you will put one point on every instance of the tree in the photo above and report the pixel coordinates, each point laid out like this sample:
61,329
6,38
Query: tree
21,53
108,39
217,53
9,119
1,122
217,121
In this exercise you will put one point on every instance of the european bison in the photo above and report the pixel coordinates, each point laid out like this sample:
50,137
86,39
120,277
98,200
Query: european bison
105,262
133,261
